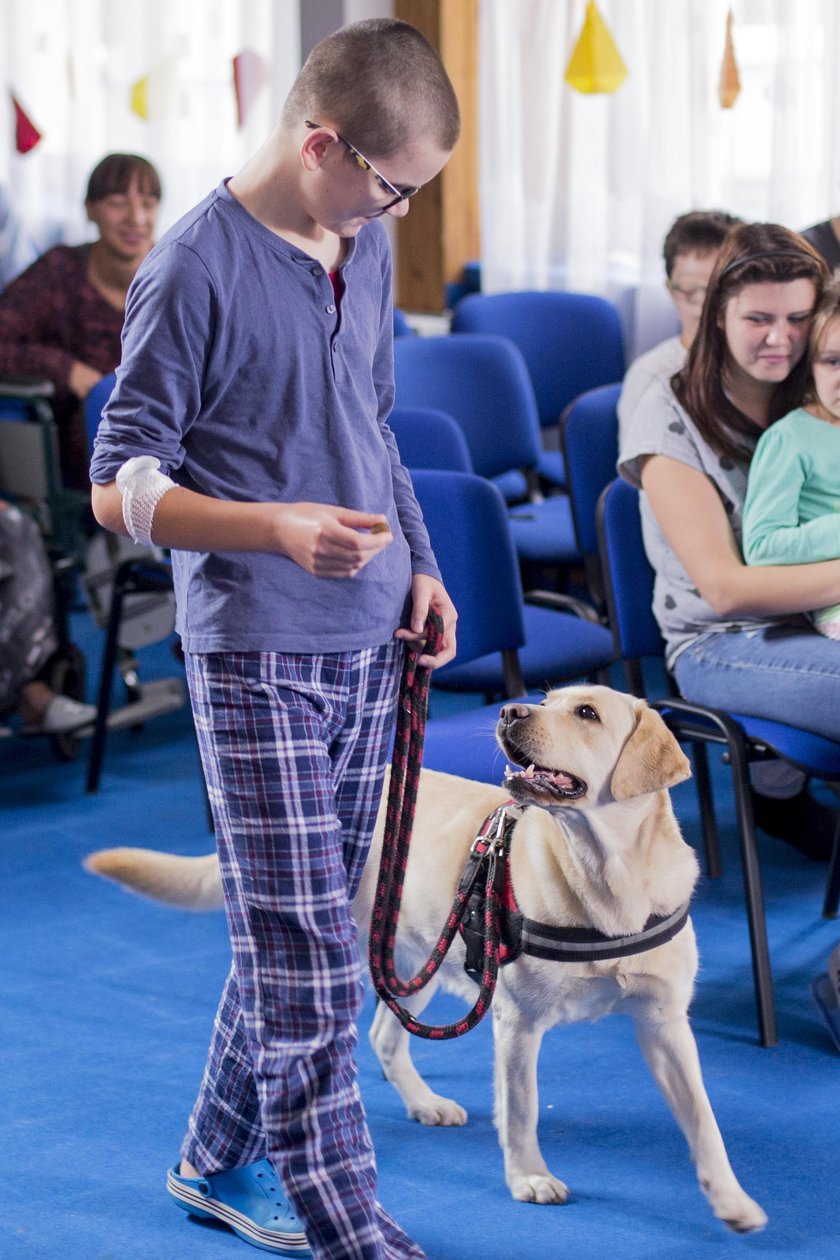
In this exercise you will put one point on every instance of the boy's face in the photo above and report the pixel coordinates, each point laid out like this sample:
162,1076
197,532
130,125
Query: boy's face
353,196
687,284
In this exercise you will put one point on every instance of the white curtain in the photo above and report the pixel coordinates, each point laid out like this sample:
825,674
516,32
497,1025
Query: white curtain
72,64
578,191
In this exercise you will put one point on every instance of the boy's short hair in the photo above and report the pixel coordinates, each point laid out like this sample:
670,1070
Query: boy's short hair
697,232
381,84
116,173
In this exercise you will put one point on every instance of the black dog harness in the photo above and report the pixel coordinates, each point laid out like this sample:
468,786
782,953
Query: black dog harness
521,935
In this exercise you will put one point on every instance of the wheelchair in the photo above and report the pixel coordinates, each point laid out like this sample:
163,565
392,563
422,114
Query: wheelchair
85,561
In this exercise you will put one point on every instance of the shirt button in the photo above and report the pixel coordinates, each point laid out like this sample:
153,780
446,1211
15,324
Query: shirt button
335,347
330,309
317,271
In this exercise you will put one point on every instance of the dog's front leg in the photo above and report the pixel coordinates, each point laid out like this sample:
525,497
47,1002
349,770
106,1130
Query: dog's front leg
517,1045
671,1054
391,1045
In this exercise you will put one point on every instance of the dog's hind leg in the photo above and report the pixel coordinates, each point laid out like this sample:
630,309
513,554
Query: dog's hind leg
391,1044
517,1045
671,1053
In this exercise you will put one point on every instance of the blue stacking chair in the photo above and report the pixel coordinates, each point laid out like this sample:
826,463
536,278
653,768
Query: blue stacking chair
95,402
629,580
589,436
429,439
506,646
482,382
571,343
402,328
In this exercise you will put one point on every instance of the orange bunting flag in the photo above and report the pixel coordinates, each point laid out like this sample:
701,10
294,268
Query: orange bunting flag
730,81
27,134
250,73
595,65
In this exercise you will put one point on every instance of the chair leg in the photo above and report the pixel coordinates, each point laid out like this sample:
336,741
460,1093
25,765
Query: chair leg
754,896
832,888
708,822
103,706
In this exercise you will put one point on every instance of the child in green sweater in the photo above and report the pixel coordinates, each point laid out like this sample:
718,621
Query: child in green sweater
792,509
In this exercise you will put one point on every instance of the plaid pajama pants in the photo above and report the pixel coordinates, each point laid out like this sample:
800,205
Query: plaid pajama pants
294,749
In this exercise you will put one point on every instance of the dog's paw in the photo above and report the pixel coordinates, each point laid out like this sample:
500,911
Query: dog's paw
538,1188
438,1110
743,1215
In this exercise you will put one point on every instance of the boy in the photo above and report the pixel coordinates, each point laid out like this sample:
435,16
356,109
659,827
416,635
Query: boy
257,367
690,251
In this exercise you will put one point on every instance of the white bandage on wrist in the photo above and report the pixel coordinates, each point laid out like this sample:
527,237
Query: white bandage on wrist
142,487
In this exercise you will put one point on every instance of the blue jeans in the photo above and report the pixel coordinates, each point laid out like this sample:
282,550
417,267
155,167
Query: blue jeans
785,673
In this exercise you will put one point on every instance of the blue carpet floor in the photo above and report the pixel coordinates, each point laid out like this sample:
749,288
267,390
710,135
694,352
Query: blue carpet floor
107,1001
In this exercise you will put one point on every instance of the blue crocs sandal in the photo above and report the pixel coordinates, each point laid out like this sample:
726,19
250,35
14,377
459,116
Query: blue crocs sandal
249,1200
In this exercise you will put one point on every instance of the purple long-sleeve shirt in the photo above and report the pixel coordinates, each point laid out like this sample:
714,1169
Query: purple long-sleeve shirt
241,375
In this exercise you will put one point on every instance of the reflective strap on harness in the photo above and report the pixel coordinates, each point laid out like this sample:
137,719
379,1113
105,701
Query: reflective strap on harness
577,944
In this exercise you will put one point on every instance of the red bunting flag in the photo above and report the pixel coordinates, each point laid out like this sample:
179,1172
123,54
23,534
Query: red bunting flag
249,75
27,134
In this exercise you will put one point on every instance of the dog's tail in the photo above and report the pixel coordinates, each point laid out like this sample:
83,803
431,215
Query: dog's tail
193,883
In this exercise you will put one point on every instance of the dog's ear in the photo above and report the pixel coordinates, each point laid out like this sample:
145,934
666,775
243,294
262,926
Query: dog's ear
651,759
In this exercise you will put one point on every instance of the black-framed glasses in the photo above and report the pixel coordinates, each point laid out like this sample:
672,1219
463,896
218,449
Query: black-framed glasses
398,194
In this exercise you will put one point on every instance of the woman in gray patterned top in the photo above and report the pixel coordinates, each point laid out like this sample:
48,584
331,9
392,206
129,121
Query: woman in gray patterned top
27,632
735,636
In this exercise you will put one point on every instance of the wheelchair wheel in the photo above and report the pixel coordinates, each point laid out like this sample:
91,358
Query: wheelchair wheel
66,677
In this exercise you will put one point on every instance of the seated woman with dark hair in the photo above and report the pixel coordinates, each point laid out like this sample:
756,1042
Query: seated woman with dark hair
61,319
736,638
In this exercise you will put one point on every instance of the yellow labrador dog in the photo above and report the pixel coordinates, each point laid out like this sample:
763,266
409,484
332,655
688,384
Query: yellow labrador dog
596,846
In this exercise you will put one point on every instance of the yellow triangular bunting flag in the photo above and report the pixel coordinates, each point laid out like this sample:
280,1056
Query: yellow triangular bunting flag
151,96
140,97
730,81
595,65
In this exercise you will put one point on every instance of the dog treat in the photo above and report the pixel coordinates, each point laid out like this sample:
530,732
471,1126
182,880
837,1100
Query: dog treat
380,528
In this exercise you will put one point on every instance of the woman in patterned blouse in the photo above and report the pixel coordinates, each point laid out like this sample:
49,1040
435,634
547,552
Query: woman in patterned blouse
61,320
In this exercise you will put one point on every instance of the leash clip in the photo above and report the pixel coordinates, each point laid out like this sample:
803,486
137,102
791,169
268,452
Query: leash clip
509,816
494,839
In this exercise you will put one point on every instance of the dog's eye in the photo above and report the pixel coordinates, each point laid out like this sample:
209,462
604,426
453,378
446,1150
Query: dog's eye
586,712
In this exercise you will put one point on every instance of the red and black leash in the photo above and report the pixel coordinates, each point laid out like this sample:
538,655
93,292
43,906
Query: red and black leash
487,862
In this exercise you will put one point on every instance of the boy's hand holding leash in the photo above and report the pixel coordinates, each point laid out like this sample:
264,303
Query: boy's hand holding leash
426,593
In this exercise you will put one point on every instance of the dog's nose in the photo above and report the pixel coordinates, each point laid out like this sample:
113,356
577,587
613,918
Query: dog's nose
511,713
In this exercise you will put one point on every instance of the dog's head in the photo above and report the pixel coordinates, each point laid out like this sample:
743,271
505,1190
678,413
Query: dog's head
584,746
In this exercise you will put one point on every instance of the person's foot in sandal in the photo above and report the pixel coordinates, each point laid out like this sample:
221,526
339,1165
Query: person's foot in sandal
249,1200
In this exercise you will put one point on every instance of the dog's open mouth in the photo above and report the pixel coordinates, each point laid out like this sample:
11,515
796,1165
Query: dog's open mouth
535,783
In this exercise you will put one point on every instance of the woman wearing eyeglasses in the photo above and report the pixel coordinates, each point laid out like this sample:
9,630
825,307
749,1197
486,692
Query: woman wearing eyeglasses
735,636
